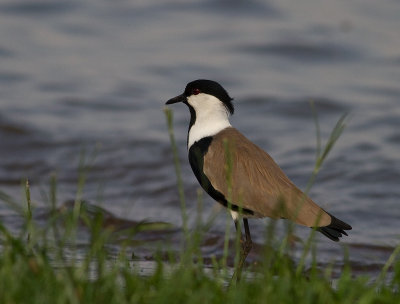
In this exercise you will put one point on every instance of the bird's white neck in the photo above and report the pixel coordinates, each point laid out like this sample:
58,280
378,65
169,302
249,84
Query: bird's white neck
211,117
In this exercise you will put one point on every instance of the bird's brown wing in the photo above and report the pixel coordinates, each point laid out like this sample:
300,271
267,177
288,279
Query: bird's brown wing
248,177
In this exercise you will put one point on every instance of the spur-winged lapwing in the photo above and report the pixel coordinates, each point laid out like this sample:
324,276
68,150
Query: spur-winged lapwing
254,185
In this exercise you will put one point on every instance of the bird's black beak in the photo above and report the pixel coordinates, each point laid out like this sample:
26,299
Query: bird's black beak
179,98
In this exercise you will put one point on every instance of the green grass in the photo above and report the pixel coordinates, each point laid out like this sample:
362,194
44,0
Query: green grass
41,264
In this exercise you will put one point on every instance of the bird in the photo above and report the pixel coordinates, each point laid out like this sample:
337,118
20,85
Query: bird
238,174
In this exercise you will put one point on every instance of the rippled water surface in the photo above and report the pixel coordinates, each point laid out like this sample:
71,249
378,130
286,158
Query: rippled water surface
94,76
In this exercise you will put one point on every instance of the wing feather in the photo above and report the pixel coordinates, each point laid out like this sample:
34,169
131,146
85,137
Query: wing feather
250,178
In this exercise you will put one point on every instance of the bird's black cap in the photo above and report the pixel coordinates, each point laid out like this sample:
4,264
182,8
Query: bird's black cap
207,87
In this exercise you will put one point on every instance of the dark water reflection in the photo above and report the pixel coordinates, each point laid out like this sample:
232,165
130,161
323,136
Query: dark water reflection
93,76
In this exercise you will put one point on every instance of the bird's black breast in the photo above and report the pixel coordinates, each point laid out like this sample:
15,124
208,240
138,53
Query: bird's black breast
196,159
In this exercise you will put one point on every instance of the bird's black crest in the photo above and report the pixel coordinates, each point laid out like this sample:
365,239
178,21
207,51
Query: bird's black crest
212,88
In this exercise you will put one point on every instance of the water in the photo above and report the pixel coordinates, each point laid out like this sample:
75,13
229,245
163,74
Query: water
95,75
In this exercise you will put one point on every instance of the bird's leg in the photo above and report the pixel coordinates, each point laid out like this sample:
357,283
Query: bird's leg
247,244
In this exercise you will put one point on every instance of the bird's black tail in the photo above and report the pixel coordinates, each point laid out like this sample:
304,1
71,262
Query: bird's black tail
335,229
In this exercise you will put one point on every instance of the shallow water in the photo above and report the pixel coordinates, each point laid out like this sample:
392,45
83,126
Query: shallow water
95,75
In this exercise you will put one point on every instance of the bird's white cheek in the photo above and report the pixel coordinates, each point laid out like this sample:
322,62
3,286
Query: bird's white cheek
206,104
196,100
211,117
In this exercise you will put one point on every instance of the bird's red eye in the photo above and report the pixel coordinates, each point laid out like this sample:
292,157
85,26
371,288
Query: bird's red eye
195,91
